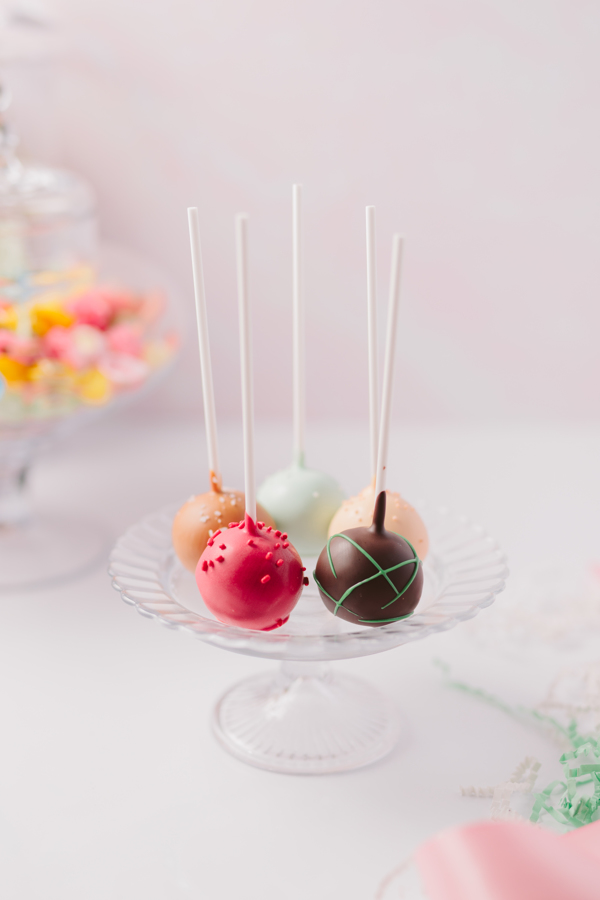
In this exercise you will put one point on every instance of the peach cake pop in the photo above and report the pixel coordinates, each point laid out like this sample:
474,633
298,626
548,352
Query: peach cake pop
201,516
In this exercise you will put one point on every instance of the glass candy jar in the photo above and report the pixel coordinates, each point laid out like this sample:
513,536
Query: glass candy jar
76,335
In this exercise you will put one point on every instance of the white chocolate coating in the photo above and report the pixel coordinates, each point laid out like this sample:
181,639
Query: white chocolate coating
400,517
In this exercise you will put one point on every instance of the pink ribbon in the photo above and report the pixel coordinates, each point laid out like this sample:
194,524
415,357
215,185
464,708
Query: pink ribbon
511,861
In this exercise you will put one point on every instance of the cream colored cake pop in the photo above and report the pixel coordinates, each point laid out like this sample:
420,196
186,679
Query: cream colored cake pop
400,517
357,512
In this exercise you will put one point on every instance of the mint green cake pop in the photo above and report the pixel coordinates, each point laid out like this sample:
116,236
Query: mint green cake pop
302,501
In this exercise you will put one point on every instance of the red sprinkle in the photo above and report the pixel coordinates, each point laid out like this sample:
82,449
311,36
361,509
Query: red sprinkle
210,543
265,578
204,565
305,580
285,545
250,542
222,546
220,559
277,534
233,525
211,563
217,533
260,524
269,555
277,545
304,568
279,562
284,536
270,528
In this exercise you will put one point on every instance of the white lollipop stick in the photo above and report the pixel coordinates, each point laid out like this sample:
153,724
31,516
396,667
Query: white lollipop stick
208,394
388,368
298,327
372,332
241,235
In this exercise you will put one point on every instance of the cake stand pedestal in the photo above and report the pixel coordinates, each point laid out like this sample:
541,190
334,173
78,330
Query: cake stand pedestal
38,550
306,718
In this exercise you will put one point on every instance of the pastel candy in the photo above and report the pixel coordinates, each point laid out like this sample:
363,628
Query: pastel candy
123,370
125,339
93,308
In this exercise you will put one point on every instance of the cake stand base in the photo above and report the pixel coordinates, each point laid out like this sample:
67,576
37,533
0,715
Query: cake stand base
305,721
45,551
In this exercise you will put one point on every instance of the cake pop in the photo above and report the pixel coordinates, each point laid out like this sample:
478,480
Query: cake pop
370,576
373,576
301,500
203,514
401,517
249,575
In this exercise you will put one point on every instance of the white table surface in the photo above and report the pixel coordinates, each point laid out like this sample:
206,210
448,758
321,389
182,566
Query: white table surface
111,783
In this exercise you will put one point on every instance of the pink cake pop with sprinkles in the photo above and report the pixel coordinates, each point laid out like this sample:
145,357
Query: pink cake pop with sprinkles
249,575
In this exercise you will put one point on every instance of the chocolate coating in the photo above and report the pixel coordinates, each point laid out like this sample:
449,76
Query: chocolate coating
369,576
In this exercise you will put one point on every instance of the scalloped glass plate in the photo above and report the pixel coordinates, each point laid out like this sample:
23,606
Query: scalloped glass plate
306,719
464,572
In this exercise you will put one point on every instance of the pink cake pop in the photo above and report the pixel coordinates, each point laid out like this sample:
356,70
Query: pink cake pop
249,575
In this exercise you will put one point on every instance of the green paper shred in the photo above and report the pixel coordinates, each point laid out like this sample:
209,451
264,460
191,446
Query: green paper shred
574,801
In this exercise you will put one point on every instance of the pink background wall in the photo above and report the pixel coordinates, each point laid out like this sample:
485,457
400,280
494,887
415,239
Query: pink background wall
472,126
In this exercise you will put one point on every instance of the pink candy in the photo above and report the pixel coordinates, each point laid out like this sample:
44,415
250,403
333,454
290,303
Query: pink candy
78,347
22,349
93,308
124,339
123,370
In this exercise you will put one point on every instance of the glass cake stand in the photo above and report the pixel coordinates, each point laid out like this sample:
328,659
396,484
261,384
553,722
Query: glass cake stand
305,718
42,549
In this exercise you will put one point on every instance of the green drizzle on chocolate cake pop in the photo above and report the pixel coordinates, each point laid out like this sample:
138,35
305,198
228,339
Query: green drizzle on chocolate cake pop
363,593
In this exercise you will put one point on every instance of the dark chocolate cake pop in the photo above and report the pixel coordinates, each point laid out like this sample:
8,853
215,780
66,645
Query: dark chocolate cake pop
369,576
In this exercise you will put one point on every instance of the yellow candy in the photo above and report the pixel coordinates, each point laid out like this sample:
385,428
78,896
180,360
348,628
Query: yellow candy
94,387
12,370
8,317
47,370
45,316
